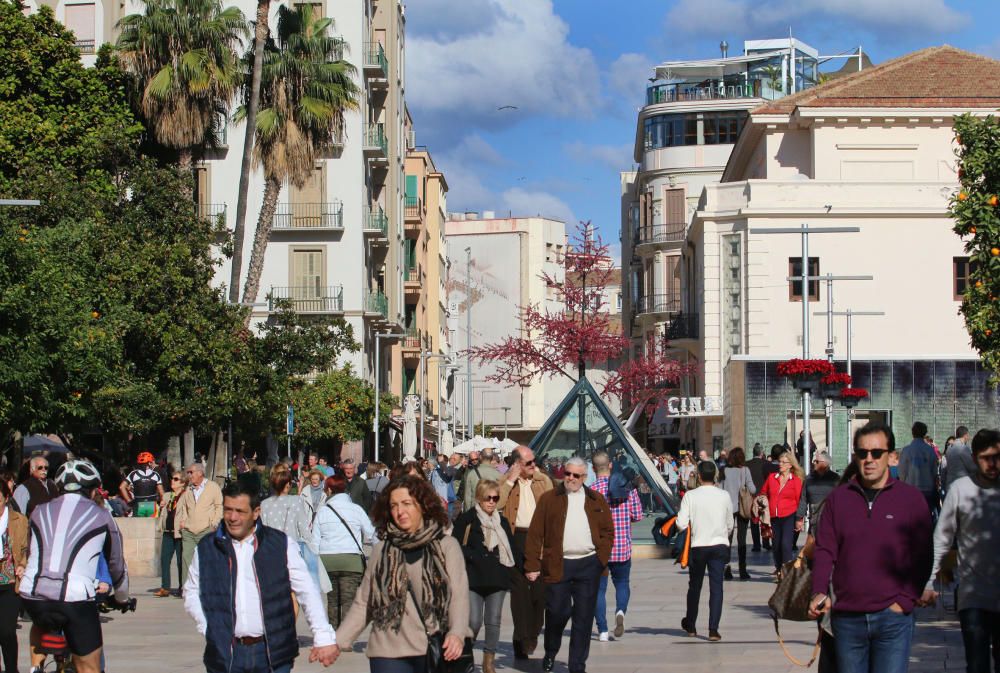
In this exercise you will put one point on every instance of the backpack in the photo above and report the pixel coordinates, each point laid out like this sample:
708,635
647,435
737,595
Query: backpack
143,485
620,483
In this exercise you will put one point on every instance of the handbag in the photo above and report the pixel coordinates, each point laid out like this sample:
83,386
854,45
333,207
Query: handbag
434,658
790,601
745,503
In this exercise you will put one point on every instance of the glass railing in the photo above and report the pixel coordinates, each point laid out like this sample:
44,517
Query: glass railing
377,222
328,215
309,298
672,93
375,58
376,302
375,138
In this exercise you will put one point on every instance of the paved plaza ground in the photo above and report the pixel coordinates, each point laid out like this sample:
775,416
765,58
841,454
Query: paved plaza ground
160,638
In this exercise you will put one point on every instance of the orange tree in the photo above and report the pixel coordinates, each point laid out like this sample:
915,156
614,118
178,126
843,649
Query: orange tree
976,213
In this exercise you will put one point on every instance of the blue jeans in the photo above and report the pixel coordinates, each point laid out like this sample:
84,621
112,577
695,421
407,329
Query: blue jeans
873,642
980,633
619,571
783,529
253,659
396,665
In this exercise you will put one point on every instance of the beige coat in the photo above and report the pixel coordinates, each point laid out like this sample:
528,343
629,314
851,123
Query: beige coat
510,494
411,641
161,519
201,515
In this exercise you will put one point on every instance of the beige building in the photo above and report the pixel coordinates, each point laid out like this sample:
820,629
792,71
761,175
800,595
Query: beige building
873,150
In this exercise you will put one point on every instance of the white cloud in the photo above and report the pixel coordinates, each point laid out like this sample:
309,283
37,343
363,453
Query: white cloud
617,157
627,75
521,57
527,202
891,17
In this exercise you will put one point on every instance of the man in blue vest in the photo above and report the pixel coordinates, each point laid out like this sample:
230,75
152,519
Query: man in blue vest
249,625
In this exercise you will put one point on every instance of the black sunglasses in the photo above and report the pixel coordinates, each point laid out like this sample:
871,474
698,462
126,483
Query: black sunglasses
874,453
574,475
492,498
528,463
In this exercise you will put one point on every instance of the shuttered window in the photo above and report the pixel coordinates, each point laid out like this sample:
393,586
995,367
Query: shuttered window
307,274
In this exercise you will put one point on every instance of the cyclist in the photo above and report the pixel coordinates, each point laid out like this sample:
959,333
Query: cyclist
146,486
68,536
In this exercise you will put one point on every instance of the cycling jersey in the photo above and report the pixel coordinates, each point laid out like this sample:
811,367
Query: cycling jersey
144,484
68,535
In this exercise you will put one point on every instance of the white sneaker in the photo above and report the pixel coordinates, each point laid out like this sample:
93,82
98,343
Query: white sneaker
603,637
619,624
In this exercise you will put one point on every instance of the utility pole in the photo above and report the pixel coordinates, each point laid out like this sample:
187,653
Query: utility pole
804,232
505,410
468,338
850,326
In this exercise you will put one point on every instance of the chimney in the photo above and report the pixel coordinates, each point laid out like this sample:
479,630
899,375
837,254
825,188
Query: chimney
724,48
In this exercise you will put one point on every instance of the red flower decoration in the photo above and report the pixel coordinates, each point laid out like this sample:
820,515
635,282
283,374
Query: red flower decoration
836,379
854,393
798,367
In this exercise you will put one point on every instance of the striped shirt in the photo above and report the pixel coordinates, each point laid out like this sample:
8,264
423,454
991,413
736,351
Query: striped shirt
623,513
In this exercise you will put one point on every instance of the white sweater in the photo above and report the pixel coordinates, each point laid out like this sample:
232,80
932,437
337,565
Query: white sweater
709,511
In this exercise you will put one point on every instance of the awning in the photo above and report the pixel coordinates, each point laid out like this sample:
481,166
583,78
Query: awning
711,67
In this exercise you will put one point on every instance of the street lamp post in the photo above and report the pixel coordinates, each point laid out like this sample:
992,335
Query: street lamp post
468,335
467,400
505,410
482,406
378,349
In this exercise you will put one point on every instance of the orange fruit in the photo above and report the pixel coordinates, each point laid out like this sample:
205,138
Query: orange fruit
993,200
989,332
979,283
995,251
962,196
972,230
95,315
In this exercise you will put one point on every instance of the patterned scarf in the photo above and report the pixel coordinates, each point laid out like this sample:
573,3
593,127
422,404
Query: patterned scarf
494,536
387,599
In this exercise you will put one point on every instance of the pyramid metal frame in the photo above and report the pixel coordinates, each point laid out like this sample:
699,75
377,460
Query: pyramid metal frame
640,461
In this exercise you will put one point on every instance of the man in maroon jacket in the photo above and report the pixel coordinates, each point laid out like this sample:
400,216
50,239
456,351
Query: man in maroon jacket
874,545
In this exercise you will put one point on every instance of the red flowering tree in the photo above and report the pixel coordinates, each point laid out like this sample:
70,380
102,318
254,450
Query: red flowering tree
565,342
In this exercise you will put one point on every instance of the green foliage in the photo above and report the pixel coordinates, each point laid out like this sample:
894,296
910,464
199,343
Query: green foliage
976,212
337,406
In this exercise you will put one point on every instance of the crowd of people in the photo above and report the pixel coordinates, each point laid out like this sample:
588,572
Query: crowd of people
428,551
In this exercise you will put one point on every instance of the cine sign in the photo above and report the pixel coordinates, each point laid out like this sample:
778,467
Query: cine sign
694,406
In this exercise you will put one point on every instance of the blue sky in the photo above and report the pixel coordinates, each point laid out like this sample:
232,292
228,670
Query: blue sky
577,69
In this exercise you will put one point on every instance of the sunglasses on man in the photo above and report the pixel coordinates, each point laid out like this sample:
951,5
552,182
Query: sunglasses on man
877,454
574,475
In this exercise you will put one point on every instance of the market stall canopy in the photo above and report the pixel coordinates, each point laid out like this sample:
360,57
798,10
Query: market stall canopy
477,443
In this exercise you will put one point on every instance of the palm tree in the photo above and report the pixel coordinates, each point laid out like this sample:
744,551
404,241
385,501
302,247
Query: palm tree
306,88
182,58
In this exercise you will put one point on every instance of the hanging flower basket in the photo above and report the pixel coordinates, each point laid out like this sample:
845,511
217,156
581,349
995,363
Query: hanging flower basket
850,397
831,384
805,374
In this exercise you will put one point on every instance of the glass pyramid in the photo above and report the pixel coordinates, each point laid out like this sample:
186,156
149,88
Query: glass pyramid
582,424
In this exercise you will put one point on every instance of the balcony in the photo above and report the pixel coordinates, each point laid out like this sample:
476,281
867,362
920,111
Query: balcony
412,342
376,65
413,208
682,326
309,298
690,91
375,145
377,305
412,280
309,216
212,212
658,303
660,233
377,224
86,47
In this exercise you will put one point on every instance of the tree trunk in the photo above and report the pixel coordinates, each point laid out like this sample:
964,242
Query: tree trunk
239,231
262,235
185,164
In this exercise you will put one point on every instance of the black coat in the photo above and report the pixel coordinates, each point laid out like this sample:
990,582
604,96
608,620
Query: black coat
483,567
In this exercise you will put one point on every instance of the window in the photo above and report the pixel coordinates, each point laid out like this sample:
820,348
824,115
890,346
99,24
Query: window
618,302
670,130
81,20
307,273
963,269
795,286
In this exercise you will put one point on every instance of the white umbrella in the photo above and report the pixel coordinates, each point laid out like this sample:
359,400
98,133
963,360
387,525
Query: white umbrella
506,445
447,444
410,427
477,443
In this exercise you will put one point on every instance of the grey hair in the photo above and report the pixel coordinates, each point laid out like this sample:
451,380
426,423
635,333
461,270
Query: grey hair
576,460
35,459
197,466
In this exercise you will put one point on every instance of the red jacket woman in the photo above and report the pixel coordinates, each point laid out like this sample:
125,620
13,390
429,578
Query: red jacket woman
782,499
783,490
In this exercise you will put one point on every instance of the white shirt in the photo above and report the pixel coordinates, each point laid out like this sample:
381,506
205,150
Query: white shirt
709,511
249,613
577,540
330,535
196,491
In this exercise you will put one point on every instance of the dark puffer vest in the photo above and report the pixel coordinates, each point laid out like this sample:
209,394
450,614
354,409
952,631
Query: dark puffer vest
216,565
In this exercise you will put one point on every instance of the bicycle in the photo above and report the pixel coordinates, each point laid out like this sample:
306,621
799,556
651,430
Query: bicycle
53,642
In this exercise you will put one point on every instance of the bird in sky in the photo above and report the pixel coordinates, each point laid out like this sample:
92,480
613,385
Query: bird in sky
507,107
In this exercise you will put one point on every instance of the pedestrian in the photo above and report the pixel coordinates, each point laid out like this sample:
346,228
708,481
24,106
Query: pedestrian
357,487
14,550
324,467
960,462
783,490
487,542
312,493
198,514
569,544
477,469
624,512
818,485
522,488
145,486
918,466
442,478
339,531
249,625
735,478
37,488
170,535
291,515
874,545
415,583
376,479
758,472
969,517
708,511
684,474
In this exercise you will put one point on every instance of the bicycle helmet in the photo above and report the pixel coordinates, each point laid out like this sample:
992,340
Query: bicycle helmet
76,475
145,457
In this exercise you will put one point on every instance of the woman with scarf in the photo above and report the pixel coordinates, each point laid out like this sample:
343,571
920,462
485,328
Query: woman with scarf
486,542
415,583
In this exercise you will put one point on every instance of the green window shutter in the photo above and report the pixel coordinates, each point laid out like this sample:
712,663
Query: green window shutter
411,186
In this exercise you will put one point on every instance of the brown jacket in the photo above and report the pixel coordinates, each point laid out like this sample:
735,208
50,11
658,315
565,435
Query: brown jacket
203,514
510,495
544,550
17,533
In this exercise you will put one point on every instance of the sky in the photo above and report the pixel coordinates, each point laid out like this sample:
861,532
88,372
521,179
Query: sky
576,71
